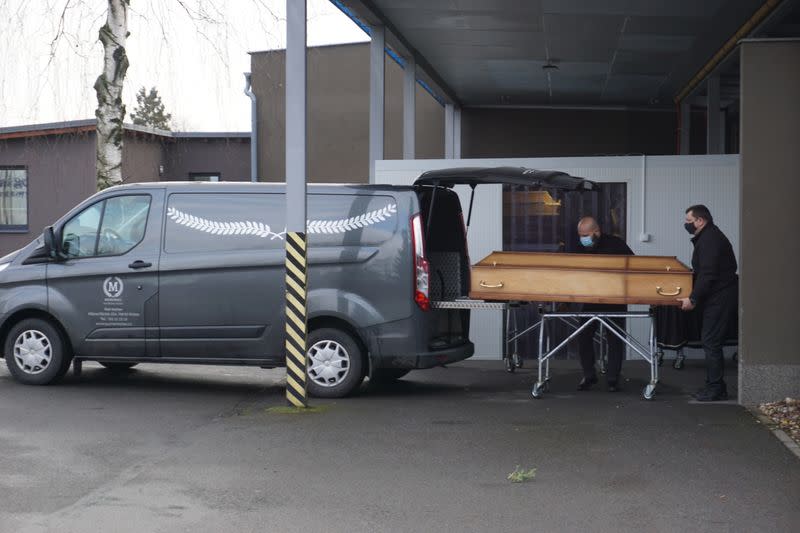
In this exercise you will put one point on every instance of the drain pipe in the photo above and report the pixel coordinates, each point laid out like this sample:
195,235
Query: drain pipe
253,127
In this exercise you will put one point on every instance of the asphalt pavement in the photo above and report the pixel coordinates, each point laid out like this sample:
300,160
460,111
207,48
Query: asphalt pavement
173,448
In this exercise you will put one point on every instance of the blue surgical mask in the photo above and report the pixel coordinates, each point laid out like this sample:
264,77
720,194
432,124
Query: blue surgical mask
587,241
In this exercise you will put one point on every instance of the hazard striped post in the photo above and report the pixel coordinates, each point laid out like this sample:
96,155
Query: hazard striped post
296,326
296,243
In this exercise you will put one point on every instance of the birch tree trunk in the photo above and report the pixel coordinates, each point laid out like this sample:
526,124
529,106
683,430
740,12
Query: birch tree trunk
110,110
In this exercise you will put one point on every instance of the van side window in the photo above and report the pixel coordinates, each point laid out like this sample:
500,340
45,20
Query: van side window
111,227
208,222
203,222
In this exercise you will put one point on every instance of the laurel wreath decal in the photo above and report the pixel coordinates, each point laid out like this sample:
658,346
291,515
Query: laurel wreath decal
262,230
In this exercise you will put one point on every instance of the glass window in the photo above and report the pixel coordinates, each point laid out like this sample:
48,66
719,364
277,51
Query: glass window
204,176
110,227
13,198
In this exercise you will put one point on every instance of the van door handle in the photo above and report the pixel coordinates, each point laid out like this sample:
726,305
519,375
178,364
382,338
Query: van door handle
139,264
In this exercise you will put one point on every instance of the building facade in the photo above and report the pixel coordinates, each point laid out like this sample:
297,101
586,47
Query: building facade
46,169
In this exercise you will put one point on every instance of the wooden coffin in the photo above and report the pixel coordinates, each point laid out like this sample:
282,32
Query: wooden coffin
560,277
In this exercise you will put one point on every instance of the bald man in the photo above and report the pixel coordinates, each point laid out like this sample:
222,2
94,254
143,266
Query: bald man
594,241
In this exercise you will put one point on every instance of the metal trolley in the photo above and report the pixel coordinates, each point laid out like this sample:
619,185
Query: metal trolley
580,321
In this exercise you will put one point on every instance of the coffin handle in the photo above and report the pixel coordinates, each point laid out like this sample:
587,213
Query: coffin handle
676,292
489,286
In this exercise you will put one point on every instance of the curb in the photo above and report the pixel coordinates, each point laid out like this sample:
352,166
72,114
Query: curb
782,436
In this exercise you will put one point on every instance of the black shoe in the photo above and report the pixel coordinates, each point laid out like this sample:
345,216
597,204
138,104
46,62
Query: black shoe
613,386
711,395
586,383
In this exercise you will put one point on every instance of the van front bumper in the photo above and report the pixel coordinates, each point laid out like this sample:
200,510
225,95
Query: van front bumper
451,354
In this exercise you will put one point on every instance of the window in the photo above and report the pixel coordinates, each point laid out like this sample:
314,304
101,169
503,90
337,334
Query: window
13,198
205,222
204,176
111,227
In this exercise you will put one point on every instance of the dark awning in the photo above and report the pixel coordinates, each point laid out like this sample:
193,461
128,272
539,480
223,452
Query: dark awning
528,177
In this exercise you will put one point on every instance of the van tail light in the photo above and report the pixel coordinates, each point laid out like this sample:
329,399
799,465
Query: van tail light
421,267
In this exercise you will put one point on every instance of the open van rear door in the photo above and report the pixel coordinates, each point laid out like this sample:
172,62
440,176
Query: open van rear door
527,177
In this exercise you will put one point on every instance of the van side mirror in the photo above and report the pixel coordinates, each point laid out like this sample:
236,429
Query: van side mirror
51,246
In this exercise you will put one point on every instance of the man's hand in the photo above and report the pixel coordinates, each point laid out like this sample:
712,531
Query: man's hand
686,304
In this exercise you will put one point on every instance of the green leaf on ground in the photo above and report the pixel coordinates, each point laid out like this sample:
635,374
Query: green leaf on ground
520,475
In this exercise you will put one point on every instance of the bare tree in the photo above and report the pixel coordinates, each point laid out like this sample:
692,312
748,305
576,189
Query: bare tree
110,109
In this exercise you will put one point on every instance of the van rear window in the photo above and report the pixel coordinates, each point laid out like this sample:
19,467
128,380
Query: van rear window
208,222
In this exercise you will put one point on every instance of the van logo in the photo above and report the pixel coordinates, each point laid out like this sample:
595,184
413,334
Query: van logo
260,229
112,287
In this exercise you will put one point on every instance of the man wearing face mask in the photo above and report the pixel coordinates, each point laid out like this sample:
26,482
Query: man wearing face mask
594,241
716,293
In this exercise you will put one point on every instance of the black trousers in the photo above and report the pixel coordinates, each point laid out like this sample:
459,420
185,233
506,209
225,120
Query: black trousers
718,311
616,348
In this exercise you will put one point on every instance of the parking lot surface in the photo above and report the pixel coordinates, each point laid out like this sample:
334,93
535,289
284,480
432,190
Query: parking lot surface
173,448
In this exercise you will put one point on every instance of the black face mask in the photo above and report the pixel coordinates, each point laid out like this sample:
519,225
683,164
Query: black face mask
690,228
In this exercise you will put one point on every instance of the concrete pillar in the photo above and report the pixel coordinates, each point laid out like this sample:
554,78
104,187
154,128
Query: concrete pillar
449,119
296,115
686,128
457,133
409,108
769,361
713,117
376,97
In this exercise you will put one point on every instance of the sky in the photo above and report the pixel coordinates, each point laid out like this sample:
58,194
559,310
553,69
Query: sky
193,51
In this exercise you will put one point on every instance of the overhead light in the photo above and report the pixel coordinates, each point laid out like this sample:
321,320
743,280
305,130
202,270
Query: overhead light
549,67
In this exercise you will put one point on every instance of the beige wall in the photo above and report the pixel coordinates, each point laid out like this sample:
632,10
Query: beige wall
230,157
770,252
338,114
60,170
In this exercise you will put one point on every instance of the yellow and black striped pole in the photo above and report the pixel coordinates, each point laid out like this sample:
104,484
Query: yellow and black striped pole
296,330
296,264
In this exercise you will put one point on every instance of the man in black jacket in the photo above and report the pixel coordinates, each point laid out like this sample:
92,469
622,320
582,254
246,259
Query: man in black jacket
594,241
716,293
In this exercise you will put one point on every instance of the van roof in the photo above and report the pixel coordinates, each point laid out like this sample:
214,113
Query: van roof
232,186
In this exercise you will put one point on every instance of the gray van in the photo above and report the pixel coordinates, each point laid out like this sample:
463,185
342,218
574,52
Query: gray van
194,273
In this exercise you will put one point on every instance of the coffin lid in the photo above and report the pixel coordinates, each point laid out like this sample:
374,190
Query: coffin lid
528,177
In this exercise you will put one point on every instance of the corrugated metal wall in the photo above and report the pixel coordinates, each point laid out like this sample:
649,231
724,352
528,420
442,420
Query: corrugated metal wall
659,189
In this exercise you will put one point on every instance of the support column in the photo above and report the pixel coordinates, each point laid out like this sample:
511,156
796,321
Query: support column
769,362
457,133
376,97
409,108
686,128
296,314
713,117
449,119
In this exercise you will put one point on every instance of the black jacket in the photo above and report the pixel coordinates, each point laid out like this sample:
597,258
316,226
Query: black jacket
608,244
713,263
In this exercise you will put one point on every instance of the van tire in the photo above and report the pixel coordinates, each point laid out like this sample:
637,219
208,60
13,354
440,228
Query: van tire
39,335
388,375
340,345
118,367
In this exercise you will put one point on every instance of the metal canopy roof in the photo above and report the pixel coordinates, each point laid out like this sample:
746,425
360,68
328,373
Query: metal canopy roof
527,177
610,52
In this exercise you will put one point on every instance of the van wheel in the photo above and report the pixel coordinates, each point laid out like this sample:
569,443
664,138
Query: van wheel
388,375
118,367
335,363
36,353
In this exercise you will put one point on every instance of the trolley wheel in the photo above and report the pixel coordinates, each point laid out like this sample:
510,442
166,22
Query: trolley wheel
538,389
679,362
510,367
660,357
649,391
